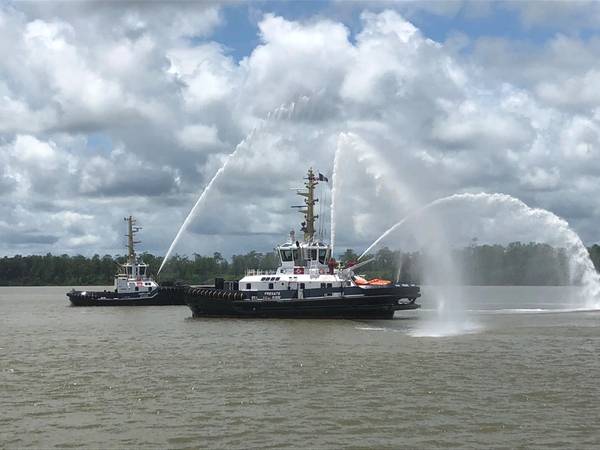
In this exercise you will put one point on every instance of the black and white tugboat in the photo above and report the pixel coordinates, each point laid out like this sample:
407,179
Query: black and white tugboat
307,284
133,286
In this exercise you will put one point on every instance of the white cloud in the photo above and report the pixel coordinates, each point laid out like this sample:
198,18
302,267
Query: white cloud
106,115
199,136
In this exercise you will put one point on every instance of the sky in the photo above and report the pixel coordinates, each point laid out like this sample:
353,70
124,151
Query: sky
110,109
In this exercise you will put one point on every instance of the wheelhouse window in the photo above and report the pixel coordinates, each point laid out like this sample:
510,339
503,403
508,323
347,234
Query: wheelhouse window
142,271
128,268
313,254
286,255
248,286
322,255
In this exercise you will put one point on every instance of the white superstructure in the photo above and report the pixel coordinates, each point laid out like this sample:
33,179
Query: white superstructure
306,264
134,275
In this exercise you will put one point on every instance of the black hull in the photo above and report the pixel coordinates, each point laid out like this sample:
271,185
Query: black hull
164,296
369,306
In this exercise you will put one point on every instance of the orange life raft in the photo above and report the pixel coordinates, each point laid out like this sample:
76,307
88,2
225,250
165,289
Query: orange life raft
373,282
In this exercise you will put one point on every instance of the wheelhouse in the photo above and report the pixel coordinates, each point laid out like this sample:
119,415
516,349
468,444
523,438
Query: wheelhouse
293,254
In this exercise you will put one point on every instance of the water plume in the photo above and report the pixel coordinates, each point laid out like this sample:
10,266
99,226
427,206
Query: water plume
193,212
374,165
282,112
554,229
335,185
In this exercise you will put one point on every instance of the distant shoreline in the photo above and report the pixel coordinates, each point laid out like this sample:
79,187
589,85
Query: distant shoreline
514,264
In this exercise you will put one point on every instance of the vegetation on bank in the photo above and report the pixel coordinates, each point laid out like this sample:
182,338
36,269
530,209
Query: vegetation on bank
514,264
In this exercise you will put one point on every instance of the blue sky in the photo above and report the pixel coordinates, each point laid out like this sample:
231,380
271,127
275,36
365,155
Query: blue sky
239,31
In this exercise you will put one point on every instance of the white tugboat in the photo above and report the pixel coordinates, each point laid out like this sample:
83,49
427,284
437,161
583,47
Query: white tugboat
133,285
307,284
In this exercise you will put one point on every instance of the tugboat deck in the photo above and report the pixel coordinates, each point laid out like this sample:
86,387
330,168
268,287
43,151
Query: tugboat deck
307,284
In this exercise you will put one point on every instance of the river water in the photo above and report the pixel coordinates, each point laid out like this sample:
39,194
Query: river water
146,377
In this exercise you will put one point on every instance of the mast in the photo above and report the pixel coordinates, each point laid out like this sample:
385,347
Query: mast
308,226
131,230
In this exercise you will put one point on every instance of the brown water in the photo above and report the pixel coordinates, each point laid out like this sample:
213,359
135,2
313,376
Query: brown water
152,377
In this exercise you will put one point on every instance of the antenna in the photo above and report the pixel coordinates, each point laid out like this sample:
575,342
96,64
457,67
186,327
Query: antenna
308,226
132,229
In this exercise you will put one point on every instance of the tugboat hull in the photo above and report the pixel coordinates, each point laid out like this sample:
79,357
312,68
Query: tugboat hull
174,295
370,306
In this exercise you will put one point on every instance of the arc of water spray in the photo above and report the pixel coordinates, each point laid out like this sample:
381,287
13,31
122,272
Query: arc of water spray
577,250
192,214
374,166
410,216
196,206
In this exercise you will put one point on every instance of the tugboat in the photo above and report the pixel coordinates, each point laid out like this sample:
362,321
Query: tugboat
307,284
133,285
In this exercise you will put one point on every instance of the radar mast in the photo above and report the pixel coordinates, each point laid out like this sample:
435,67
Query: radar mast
308,226
131,230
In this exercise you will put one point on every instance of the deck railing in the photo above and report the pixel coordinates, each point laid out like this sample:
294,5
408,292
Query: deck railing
260,272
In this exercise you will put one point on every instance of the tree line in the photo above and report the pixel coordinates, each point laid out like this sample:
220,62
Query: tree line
513,264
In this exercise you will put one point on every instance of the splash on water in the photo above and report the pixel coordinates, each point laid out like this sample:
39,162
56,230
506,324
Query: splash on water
450,318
